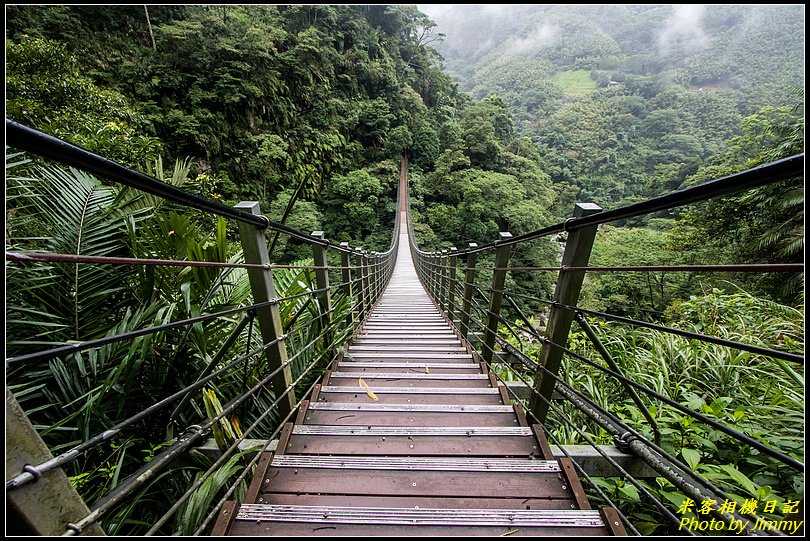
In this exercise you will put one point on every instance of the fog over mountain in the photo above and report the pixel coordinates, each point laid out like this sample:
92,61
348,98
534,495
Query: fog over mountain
667,35
624,100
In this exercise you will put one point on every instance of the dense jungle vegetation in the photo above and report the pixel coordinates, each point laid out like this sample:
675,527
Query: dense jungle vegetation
307,109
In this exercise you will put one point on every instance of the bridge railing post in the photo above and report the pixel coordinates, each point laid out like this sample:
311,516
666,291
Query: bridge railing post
378,275
346,277
469,283
254,247
46,505
357,256
426,272
451,280
322,283
437,277
569,284
372,282
496,295
443,279
365,283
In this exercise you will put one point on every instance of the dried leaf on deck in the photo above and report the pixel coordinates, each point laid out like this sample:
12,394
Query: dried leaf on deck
370,394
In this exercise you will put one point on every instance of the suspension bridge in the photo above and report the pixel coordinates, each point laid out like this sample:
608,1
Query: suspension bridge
406,428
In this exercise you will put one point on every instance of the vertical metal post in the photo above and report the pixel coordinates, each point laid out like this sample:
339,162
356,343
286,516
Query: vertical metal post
469,282
366,284
569,284
372,276
254,247
377,258
46,505
451,294
346,277
322,282
496,295
443,277
436,277
361,294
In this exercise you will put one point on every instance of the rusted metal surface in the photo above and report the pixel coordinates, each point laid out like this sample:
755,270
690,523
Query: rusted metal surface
408,433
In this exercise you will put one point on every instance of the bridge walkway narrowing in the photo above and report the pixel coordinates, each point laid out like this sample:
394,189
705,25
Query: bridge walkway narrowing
409,435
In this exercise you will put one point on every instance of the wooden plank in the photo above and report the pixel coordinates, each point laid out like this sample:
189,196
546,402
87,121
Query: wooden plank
247,528
540,435
411,382
302,412
225,518
412,398
503,392
316,390
415,483
570,475
284,438
473,446
256,485
612,521
422,502
376,418
521,415
397,367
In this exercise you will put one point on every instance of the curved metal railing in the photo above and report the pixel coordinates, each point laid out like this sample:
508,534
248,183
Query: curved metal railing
336,292
491,317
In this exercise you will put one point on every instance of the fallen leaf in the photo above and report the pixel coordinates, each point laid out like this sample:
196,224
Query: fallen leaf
510,532
368,391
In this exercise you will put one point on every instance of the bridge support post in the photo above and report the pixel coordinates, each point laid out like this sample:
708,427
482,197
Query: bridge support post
365,291
254,247
377,257
443,279
46,505
346,277
569,284
322,282
469,282
451,292
496,295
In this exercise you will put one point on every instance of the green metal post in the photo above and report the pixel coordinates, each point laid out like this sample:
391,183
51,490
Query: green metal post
254,247
346,277
322,282
469,282
451,294
569,284
496,296
443,279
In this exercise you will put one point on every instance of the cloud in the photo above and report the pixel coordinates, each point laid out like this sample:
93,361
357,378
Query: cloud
543,35
683,30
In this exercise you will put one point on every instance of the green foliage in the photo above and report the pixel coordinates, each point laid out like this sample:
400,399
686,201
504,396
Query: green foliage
575,82
761,225
634,294
754,394
46,89
670,93
74,397
350,202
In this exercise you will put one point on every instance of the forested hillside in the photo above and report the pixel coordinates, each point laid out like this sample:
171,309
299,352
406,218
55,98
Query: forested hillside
627,102
275,103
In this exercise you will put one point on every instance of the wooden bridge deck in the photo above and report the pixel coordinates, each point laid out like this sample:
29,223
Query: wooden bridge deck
408,435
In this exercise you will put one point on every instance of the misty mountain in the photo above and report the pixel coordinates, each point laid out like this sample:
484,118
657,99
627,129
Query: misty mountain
626,101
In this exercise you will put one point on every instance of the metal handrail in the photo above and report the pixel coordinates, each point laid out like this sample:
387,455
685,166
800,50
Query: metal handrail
433,268
371,271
